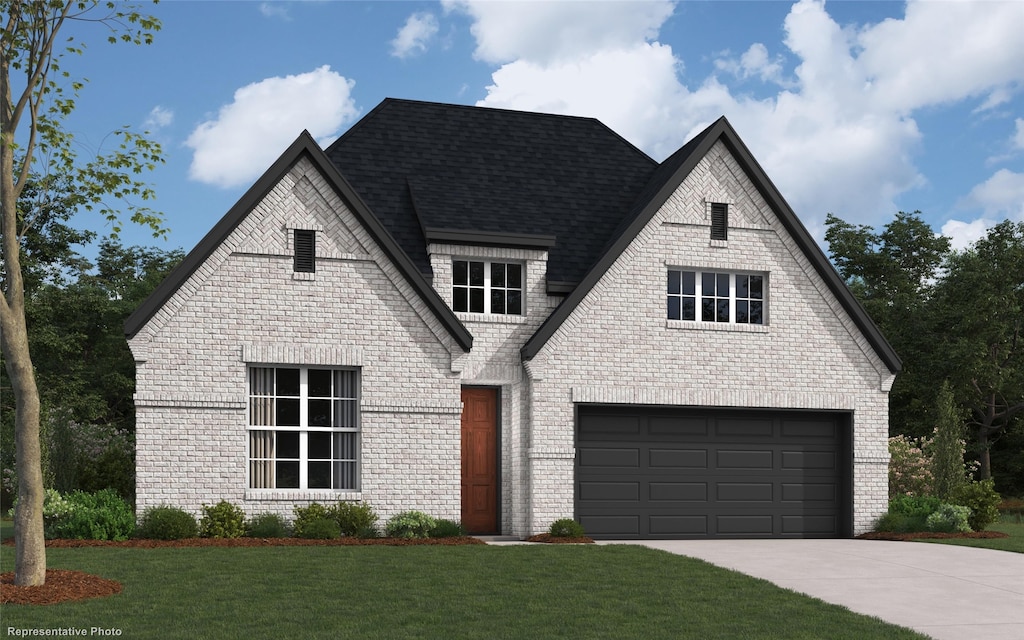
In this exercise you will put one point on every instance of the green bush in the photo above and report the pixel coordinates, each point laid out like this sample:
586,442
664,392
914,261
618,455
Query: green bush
222,520
447,529
949,518
356,519
305,515
914,506
410,524
566,528
268,525
103,515
320,529
901,523
167,523
983,501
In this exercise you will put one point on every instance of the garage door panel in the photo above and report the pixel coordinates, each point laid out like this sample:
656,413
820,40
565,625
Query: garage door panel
678,458
727,428
710,473
678,491
610,491
733,459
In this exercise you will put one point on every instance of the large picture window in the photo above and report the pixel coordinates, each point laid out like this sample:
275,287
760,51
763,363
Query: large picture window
709,296
487,287
303,428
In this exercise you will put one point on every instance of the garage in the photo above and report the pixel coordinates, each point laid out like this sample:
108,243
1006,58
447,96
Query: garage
669,472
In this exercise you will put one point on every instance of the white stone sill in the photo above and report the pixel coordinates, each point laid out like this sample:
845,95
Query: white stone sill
490,318
717,326
291,495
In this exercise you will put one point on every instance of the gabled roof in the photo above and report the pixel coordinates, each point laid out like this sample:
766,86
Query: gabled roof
660,187
303,147
471,174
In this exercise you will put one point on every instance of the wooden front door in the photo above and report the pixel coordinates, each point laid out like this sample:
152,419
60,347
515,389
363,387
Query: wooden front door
480,460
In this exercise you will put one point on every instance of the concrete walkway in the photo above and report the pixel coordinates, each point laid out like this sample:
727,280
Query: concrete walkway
945,591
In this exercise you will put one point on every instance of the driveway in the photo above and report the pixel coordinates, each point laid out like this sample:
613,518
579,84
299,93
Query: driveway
944,591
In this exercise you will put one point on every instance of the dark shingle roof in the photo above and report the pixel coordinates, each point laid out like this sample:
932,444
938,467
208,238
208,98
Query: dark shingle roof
422,165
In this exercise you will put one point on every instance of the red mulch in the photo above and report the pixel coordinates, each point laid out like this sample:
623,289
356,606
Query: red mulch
547,537
918,535
67,586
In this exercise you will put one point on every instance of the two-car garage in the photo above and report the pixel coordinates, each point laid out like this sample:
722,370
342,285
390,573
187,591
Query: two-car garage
669,472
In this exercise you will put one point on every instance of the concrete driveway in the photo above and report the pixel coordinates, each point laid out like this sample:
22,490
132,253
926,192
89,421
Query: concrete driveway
944,591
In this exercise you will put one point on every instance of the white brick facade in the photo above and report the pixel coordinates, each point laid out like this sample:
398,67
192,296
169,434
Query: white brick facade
244,306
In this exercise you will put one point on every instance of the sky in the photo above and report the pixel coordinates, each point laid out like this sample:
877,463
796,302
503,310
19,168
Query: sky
860,109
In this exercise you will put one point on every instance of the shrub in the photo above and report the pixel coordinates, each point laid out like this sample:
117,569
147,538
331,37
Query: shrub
447,529
356,519
949,518
566,528
901,523
320,529
410,524
306,515
103,515
268,525
922,506
167,523
946,448
223,520
910,470
981,498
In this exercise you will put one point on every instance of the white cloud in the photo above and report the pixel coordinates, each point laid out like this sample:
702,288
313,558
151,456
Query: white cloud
276,9
158,118
263,119
839,134
544,32
963,234
413,37
1001,196
1018,137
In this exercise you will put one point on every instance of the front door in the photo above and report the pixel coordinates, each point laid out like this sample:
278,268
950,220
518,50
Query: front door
480,460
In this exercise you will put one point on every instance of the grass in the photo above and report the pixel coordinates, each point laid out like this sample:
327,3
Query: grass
1014,543
427,592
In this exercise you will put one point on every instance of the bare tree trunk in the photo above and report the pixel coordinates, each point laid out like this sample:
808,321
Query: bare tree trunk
29,543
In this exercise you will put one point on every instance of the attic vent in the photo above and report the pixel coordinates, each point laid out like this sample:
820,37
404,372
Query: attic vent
719,221
305,251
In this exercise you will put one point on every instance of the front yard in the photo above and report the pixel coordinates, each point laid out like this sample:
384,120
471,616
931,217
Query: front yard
537,591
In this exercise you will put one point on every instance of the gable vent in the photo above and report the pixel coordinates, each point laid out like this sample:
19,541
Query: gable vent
719,221
305,251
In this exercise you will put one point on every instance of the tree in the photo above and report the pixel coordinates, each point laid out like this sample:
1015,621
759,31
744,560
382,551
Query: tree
35,97
893,274
947,447
979,309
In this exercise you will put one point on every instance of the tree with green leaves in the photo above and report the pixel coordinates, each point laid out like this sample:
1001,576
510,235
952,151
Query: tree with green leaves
36,95
947,447
979,313
893,274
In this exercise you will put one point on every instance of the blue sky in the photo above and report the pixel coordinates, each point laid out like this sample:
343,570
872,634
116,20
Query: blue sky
856,108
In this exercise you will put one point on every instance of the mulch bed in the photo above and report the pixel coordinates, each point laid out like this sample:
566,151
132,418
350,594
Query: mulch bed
547,537
918,535
68,586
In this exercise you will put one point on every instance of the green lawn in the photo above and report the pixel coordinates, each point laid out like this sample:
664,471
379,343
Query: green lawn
1014,543
434,592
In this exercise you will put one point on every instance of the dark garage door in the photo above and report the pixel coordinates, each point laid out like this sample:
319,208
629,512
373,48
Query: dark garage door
655,472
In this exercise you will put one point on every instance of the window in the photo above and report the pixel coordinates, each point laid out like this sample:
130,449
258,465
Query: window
719,221
305,251
303,428
487,287
708,296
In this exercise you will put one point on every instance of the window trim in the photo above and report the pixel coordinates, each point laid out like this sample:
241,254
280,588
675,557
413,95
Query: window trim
488,288
698,296
303,429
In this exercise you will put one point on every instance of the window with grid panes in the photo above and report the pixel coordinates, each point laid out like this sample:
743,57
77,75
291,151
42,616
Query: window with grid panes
715,296
480,286
303,428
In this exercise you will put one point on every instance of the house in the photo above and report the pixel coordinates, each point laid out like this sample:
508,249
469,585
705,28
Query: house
507,318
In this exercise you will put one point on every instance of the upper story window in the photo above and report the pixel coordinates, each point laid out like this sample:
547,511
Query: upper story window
719,221
710,296
487,287
303,428
305,251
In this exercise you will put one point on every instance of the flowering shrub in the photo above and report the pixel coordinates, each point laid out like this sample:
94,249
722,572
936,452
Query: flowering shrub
410,524
910,470
949,518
